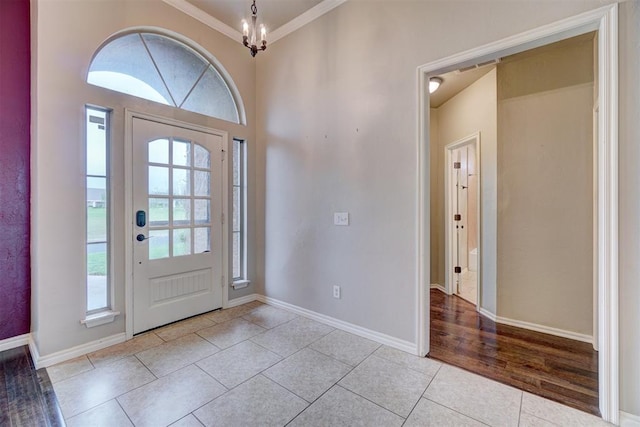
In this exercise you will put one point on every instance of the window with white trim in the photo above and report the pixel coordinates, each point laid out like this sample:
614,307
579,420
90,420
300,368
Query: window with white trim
164,70
239,247
97,210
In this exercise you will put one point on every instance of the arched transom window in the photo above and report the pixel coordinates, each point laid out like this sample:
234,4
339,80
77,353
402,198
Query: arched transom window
164,70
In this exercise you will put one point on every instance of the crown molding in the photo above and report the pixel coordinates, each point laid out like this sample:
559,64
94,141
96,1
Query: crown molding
303,19
205,18
296,23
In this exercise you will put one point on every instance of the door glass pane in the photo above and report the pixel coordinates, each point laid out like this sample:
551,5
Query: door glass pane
181,182
212,87
158,212
181,153
158,244
202,239
202,213
236,254
159,151
179,65
158,180
236,209
96,143
181,212
124,65
236,162
202,158
201,184
97,259
96,276
182,241
96,209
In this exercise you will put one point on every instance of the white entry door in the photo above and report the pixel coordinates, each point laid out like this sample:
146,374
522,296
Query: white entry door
177,227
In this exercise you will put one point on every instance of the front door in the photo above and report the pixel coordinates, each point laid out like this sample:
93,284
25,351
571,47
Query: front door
177,228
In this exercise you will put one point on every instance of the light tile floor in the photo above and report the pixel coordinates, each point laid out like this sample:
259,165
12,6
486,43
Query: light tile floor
256,365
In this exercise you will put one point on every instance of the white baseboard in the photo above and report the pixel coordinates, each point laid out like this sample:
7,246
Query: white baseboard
629,420
381,338
546,329
13,342
242,300
486,313
438,287
537,328
70,353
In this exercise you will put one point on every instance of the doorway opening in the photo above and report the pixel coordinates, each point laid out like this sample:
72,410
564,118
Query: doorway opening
542,211
604,21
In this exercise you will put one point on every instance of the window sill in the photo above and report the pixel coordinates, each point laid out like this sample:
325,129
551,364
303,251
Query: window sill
239,284
101,318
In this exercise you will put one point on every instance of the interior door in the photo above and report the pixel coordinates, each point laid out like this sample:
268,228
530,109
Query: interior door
463,185
177,223
459,177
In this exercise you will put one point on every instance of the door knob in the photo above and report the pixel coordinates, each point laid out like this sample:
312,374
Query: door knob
141,238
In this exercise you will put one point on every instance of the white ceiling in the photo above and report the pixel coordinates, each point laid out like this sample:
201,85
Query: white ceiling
272,13
455,82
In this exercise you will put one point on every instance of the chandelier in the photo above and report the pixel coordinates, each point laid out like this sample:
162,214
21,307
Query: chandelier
250,35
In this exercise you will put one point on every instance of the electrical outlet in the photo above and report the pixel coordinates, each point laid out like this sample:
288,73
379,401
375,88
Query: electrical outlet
336,291
341,218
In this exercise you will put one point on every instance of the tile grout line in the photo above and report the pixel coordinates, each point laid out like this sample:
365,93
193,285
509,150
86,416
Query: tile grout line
520,411
422,394
123,411
337,384
334,385
456,411
122,394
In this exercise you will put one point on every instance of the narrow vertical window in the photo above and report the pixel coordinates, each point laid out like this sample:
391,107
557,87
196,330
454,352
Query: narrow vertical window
239,221
97,209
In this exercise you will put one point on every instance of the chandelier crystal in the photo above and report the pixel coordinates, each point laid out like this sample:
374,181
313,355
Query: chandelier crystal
250,33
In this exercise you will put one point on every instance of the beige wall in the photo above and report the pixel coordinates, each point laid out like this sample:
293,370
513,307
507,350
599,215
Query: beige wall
545,186
472,110
66,34
629,202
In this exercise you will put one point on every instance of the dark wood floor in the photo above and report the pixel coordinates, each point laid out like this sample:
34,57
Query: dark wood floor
557,368
26,394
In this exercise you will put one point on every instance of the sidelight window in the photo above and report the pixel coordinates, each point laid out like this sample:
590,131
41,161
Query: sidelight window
97,209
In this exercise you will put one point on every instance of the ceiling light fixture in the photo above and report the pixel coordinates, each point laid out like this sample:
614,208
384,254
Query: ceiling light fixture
434,84
250,35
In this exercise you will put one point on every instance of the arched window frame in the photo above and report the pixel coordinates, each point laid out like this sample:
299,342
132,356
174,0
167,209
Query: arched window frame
213,61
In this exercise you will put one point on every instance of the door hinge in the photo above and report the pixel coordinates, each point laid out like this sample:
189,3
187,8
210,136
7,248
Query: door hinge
457,217
457,270
222,281
222,218
456,165
223,154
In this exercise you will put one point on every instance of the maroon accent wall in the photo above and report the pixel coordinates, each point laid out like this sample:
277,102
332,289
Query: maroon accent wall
15,54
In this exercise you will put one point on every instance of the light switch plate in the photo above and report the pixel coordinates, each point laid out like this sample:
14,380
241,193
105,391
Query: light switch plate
341,218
